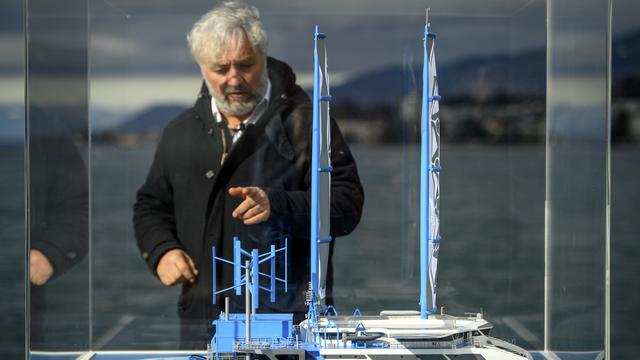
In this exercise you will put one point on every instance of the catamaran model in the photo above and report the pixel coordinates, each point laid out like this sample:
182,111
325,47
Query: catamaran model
427,334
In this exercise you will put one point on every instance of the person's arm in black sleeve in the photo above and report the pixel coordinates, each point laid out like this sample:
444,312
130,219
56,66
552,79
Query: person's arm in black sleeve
153,213
59,209
347,195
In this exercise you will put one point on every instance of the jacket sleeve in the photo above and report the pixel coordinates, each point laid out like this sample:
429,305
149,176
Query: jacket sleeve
153,212
59,227
347,195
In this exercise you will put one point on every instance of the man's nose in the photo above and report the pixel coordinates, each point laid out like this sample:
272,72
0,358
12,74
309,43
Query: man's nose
233,76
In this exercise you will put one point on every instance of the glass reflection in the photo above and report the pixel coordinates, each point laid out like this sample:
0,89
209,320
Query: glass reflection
577,196
491,62
58,184
625,194
58,226
12,181
491,65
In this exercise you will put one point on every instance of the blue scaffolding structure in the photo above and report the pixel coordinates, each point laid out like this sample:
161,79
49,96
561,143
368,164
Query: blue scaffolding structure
252,283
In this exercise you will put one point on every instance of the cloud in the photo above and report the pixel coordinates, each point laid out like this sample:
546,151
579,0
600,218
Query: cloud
362,35
107,45
148,37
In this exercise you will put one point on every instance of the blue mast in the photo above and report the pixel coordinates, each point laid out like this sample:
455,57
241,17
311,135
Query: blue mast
320,170
426,169
315,163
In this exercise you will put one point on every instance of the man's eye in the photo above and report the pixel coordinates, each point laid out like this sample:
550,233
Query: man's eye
221,70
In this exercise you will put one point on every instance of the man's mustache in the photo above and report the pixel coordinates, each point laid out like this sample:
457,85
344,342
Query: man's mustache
236,89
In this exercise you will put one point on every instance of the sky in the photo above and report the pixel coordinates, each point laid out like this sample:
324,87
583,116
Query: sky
136,46
362,35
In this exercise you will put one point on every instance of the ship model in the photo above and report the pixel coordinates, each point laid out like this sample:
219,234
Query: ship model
424,334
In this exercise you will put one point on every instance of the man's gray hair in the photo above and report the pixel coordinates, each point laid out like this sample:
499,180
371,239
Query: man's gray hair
230,21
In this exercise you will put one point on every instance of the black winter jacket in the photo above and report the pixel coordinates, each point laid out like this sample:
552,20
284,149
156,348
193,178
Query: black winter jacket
184,202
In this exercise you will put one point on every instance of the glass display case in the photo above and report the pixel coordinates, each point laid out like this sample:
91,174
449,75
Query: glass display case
12,185
540,133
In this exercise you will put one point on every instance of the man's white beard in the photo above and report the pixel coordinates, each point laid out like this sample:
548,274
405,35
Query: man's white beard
242,107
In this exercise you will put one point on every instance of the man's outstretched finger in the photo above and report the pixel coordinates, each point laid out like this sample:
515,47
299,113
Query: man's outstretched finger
237,191
251,191
253,211
255,208
244,205
239,211
261,217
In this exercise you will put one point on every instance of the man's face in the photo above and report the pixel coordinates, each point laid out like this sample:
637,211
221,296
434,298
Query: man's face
236,79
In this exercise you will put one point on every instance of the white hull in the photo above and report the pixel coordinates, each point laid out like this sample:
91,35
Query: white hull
396,335
488,353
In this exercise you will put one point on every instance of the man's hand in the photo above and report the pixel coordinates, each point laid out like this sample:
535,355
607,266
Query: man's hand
255,208
175,266
40,269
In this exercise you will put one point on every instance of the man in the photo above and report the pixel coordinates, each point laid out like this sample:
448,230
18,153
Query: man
236,163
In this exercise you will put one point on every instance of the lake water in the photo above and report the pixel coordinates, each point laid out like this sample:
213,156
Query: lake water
491,257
